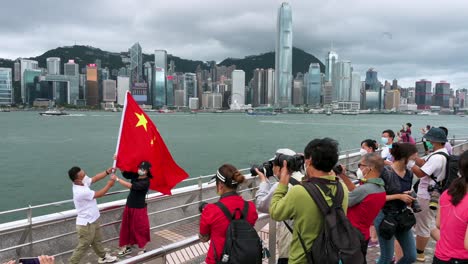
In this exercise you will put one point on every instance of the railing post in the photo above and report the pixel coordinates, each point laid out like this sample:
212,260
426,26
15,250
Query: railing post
453,141
272,241
347,160
200,188
30,231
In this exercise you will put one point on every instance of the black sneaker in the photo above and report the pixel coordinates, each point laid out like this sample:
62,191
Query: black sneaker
124,251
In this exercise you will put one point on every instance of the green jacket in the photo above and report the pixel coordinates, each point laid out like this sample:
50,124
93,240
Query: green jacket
297,204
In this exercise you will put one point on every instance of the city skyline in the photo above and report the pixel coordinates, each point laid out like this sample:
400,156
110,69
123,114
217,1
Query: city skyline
403,40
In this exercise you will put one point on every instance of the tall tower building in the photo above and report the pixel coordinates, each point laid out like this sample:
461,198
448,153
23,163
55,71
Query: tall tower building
423,94
17,73
6,87
136,64
109,90
313,85
356,84
53,66
190,87
283,60
238,87
332,58
123,85
160,83
26,65
442,94
92,85
70,68
341,81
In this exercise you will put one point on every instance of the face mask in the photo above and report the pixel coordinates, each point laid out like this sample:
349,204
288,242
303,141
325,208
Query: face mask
359,174
362,152
384,140
141,172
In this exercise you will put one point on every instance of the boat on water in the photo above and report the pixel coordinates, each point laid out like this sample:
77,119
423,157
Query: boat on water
328,113
261,113
427,113
350,112
53,112
165,111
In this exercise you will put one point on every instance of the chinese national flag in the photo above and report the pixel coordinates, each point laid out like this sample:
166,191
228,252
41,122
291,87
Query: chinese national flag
140,141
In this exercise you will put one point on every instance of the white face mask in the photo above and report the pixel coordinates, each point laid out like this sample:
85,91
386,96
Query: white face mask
410,164
362,152
359,174
141,172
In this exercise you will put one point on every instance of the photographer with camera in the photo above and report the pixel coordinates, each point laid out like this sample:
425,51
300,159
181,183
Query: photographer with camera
320,155
431,172
214,221
268,175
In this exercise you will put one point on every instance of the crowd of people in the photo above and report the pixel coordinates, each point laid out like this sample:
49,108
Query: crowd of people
400,201
386,206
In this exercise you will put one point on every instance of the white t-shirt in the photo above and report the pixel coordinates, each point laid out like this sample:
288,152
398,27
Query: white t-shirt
435,165
385,153
85,204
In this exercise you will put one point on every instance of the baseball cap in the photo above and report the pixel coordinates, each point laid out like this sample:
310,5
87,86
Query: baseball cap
145,165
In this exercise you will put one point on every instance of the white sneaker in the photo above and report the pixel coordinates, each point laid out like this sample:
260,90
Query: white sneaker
108,258
143,251
124,251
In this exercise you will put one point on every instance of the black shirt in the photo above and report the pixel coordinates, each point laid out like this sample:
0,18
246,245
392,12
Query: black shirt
138,191
395,184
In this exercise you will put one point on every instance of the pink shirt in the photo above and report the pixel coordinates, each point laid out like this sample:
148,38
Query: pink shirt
453,224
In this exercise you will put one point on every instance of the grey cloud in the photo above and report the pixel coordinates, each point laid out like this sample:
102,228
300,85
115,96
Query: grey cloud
407,40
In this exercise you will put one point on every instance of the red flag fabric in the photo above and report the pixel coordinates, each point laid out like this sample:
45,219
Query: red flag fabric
140,140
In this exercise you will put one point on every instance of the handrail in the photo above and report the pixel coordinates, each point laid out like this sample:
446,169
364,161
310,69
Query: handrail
345,153
165,250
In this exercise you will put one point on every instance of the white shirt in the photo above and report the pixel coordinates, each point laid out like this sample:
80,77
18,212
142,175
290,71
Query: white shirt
385,153
435,165
85,204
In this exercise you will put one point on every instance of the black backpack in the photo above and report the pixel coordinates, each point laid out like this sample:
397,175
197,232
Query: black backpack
243,245
338,241
451,171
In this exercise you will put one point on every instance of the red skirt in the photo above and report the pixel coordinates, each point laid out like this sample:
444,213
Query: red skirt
135,228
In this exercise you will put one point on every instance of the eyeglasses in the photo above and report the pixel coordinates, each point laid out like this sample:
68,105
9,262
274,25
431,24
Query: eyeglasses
362,165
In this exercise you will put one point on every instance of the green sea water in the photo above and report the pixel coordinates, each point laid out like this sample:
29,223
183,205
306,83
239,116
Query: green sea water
36,152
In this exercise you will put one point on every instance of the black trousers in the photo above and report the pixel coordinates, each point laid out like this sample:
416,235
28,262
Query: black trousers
283,261
364,249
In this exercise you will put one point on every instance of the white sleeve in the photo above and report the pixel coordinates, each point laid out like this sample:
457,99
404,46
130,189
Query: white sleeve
86,194
435,165
264,194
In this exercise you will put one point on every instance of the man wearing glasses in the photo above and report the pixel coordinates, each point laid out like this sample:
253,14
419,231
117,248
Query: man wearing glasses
366,200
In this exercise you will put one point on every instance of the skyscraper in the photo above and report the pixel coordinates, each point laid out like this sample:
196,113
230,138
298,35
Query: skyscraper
26,64
372,82
238,87
109,91
356,84
298,89
70,68
92,85
341,81
136,64
190,87
53,66
17,73
423,94
332,58
313,85
442,94
283,60
159,95
123,85
6,87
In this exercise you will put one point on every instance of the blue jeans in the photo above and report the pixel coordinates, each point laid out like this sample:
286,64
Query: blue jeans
406,240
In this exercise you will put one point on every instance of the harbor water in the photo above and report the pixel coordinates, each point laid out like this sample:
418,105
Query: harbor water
36,151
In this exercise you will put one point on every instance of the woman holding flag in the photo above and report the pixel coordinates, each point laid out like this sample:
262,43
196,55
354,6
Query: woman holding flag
135,228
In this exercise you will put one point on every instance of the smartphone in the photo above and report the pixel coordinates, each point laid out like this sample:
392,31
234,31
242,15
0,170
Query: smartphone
29,260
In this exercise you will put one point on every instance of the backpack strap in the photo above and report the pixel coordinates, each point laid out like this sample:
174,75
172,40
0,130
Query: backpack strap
227,213
225,210
314,192
447,166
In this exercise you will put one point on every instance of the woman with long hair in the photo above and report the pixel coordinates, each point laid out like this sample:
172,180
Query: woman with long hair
452,219
135,227
398,182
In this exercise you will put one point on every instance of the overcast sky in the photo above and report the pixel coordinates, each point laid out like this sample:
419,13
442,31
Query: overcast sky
403,39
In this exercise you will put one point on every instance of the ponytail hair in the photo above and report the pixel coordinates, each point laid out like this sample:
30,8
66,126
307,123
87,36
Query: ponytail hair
229,176
458,187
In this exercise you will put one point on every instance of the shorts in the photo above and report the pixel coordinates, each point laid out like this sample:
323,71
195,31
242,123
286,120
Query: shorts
425,220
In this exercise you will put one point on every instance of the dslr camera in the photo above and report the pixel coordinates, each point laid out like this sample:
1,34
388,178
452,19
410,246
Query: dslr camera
415,205
435,192
294,163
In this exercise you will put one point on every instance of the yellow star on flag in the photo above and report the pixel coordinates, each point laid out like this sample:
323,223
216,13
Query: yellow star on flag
141,121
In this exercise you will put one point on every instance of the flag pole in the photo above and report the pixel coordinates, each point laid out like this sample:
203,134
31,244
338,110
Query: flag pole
120,129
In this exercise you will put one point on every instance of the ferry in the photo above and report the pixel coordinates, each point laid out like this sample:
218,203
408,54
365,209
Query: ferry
173,222
350,112
53,112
